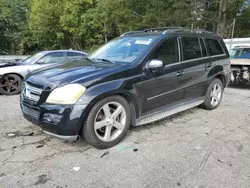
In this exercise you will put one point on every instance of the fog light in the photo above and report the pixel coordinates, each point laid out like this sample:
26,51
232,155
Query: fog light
52,118
48,118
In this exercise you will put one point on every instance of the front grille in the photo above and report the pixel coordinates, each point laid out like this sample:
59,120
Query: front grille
30,112
31,93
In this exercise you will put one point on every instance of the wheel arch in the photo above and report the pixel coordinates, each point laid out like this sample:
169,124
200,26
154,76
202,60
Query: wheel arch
130,98
14,74
99,92
217,72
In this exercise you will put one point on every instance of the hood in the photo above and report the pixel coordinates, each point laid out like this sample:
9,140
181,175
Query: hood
82,72
16,68
240,61
7,64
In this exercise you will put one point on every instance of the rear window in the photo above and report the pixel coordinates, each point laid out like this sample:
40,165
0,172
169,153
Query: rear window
191,48
74,54
214,47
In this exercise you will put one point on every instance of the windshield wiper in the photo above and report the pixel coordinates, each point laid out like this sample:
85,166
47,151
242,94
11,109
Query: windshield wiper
103,60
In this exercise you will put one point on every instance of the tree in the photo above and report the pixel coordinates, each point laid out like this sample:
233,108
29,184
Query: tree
13,24
27,26
242,27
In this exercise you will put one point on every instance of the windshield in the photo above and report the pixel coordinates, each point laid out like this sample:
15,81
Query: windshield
33,58
123,50
240,53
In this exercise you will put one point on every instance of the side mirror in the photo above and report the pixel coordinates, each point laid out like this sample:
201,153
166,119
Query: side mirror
40,61
155,63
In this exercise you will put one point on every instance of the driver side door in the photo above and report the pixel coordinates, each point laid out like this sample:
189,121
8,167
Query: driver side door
164,88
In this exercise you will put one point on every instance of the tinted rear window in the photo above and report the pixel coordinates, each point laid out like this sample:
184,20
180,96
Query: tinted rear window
191,48
214,47
74,54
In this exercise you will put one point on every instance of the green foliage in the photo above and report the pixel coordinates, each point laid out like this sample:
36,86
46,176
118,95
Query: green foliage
27,26
13,25
242,27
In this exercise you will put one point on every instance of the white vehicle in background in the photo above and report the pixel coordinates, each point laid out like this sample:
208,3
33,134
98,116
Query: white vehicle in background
12,74
240,65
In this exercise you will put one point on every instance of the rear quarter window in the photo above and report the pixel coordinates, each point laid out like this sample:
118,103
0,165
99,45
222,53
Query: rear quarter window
214,47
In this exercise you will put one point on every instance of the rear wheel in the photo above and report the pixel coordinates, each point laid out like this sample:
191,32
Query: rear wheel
10,84
107,122
214,95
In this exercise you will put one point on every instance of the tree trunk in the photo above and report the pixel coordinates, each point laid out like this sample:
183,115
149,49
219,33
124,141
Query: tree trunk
222,17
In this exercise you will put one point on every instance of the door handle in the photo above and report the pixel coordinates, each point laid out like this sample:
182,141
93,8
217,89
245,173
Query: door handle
209,65
180,73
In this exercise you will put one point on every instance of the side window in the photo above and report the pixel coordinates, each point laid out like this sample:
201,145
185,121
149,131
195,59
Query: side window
167,52
203,48
246,52
214,47
74,56
54,57
191,48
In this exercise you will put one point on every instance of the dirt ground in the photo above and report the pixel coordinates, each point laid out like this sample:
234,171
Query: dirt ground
196,148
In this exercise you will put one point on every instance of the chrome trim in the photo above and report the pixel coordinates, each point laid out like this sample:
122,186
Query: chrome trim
221,55
179,47
31,93
72,138
197,59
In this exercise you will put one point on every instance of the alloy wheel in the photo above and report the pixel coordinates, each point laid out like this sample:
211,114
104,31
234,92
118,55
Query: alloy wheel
9,84
110,121
216,94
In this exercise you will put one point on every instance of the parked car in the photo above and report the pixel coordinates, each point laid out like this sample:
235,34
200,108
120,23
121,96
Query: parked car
135,79
240,65
13,73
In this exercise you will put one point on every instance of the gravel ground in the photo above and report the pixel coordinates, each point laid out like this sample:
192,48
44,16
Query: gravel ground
196,148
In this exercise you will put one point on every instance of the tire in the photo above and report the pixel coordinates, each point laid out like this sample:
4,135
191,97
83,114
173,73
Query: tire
99,116
10,84
209,103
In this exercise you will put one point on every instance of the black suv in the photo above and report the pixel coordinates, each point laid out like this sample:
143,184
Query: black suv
135,79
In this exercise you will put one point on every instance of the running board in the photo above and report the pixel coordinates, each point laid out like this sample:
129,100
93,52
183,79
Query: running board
168,112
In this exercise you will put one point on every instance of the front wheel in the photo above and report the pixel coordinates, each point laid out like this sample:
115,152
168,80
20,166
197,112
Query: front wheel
107,123
214,95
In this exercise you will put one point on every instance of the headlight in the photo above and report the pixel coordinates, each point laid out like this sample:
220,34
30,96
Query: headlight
68,94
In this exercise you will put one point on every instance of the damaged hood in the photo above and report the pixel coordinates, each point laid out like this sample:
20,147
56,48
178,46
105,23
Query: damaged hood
240,61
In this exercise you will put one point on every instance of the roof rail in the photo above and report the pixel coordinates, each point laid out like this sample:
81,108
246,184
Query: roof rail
169,29
202,31
189,30
173,30
131,32
161,28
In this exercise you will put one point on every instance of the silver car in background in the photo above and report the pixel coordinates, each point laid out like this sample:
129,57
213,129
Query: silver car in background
12,74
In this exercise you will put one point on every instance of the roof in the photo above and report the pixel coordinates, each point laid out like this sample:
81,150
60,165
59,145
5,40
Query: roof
169,31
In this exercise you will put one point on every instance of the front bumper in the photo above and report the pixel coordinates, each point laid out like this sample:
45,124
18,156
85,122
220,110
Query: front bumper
61,121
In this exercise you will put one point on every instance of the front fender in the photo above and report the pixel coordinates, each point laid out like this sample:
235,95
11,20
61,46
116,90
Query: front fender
116,87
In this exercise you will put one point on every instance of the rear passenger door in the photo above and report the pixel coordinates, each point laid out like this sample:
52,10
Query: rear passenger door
194,56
